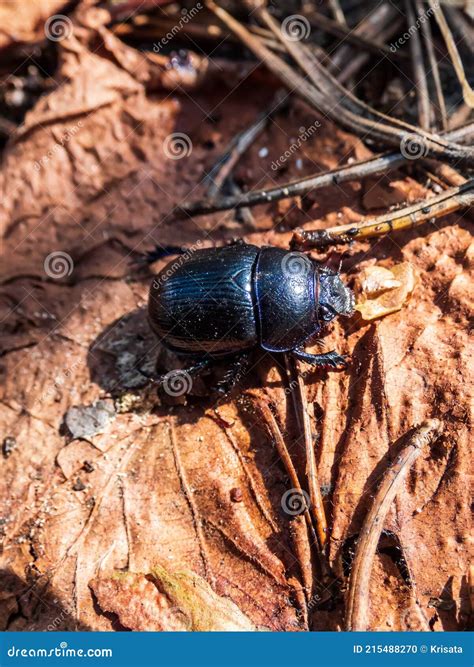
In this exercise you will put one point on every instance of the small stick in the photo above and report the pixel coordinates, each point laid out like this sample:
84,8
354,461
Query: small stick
359,584
301,408
243,215
372,166
462,25
430,209
337,12
468,92
428,37
302,186
419,72
284,454
377,25
348,111
357,36
444,174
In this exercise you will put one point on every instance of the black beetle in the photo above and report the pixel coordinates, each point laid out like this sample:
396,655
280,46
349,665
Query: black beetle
224,301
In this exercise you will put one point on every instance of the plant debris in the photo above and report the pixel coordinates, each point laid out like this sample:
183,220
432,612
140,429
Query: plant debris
132,513
382,291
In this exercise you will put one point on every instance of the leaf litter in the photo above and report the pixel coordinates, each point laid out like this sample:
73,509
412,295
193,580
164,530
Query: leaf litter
86,173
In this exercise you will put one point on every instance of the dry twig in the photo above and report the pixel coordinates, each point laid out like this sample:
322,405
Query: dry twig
358,598
428,210
301,409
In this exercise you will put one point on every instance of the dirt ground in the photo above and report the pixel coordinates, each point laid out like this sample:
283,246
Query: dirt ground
168,508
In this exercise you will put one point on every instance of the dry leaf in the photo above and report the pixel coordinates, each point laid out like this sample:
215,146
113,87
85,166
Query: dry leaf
383,291
163,600
160,484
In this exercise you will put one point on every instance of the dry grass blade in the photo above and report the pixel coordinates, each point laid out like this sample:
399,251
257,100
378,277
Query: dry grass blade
301,408
272,425
428,39
419,72
430,209
468,92
358,597
378,128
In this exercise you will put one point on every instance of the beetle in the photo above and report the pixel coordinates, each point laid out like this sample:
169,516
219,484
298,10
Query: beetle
226,301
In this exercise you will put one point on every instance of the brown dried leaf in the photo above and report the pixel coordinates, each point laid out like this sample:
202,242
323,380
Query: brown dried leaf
161,487
23,21
163,600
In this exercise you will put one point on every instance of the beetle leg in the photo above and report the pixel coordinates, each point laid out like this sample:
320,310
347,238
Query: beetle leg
194,370
331,360
158,252
233,374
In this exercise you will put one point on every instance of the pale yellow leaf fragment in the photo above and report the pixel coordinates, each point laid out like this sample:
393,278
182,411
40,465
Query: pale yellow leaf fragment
204,609
382,291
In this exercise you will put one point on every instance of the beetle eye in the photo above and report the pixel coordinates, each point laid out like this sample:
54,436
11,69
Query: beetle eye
327,314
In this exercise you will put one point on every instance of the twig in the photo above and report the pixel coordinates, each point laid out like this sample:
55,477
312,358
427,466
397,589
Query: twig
358,36
378,25
462,26
356,60
337,12
419,73
468,92
351,172
347,109
301,409
430,209
243,215
446,174
428,38
359,585
372,166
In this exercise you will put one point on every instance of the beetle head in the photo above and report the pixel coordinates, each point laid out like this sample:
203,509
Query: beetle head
334,298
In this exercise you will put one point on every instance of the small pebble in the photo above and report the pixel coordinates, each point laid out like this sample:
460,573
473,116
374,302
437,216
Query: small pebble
84,421
8,445
236,495
78,485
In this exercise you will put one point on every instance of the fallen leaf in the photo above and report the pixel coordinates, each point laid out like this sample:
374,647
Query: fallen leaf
383,291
